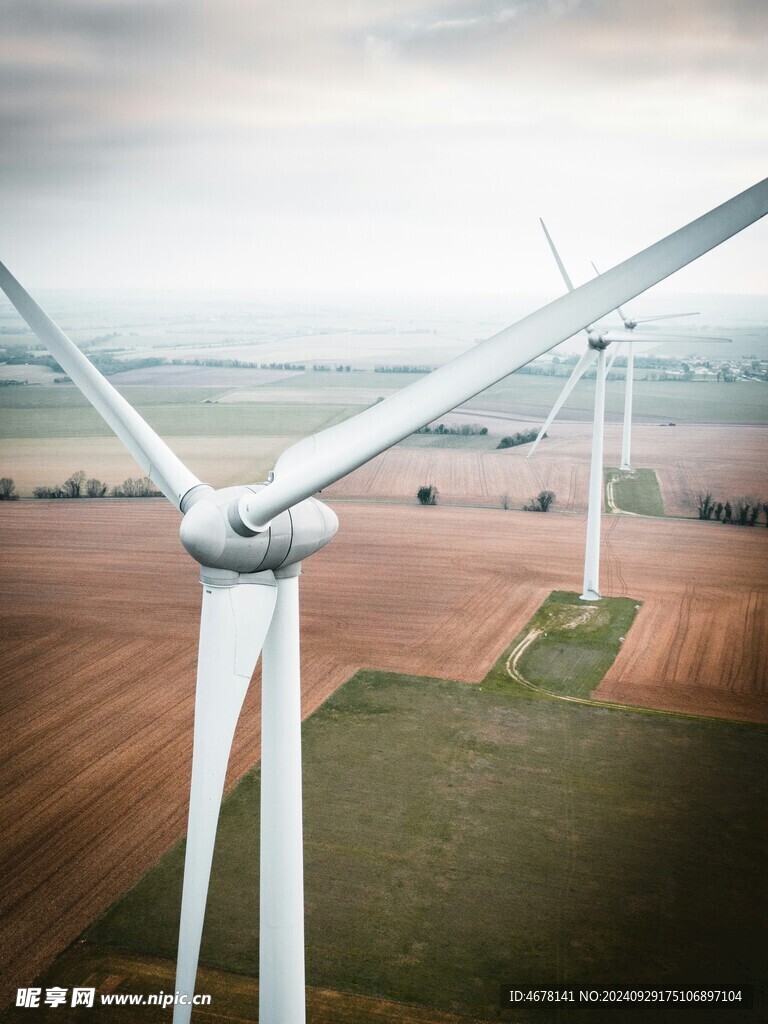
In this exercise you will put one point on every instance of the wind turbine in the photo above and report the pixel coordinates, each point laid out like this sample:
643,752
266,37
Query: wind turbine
597,343
629,334
630,324
250,542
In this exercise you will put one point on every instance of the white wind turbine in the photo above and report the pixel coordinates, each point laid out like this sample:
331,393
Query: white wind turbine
250,541
598,341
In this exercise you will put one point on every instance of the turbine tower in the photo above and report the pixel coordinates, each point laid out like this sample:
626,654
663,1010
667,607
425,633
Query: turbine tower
250,542
597,343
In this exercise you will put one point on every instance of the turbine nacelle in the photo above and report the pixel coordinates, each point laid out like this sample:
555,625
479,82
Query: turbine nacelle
214,534
598,341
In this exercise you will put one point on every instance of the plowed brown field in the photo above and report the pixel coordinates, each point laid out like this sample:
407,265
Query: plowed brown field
730,461
99,616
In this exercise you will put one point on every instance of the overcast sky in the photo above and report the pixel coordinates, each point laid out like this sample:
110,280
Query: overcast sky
392,146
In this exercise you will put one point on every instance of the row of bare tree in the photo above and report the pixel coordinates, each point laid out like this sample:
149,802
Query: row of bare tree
79,485
740,511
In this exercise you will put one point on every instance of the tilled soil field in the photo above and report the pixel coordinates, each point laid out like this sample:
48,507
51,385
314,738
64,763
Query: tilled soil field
690,459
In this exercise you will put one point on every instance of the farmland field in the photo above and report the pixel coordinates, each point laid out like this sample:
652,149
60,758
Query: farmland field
97,681
201,418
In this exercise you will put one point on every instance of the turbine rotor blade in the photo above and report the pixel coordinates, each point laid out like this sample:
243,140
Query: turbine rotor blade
621,337
323,458
588,358
619,310
150,451
611,361
556,254
233,627
663,316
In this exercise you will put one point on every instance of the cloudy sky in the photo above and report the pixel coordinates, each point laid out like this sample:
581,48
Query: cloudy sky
389,146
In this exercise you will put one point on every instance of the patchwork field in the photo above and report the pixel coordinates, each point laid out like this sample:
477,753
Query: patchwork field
99,616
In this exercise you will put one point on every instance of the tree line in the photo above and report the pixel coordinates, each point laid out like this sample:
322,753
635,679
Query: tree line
236,364
404,368
465,430
512,441
79,485
739,512
427,495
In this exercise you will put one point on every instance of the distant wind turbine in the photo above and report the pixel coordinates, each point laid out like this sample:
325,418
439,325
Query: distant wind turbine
250,542
597,343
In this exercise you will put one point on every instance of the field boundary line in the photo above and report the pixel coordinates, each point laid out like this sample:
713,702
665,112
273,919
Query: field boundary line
347,500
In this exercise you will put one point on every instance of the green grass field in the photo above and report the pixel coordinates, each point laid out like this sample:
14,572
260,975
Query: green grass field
456,442
188,416
678,401
459,838
66,396
636,491
579,642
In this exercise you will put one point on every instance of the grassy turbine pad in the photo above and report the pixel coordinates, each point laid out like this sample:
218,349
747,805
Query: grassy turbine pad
635,490
463,837
577,642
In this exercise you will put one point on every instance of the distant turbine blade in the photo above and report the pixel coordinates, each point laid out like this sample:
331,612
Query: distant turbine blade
619,310
620,337
152,454
323,458
587,359
663,316
611,361
556,254
233,626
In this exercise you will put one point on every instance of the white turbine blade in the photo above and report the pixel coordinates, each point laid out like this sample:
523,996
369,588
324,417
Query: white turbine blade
619,310
587,359
619,337
319,460
233,626
611,361
663,316
152,454
556,254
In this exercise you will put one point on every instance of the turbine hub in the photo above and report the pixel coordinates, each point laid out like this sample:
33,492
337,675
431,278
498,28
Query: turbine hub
597,341
214,534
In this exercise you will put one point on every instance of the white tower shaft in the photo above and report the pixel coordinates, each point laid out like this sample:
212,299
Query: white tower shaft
281,929
591,590
626,437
